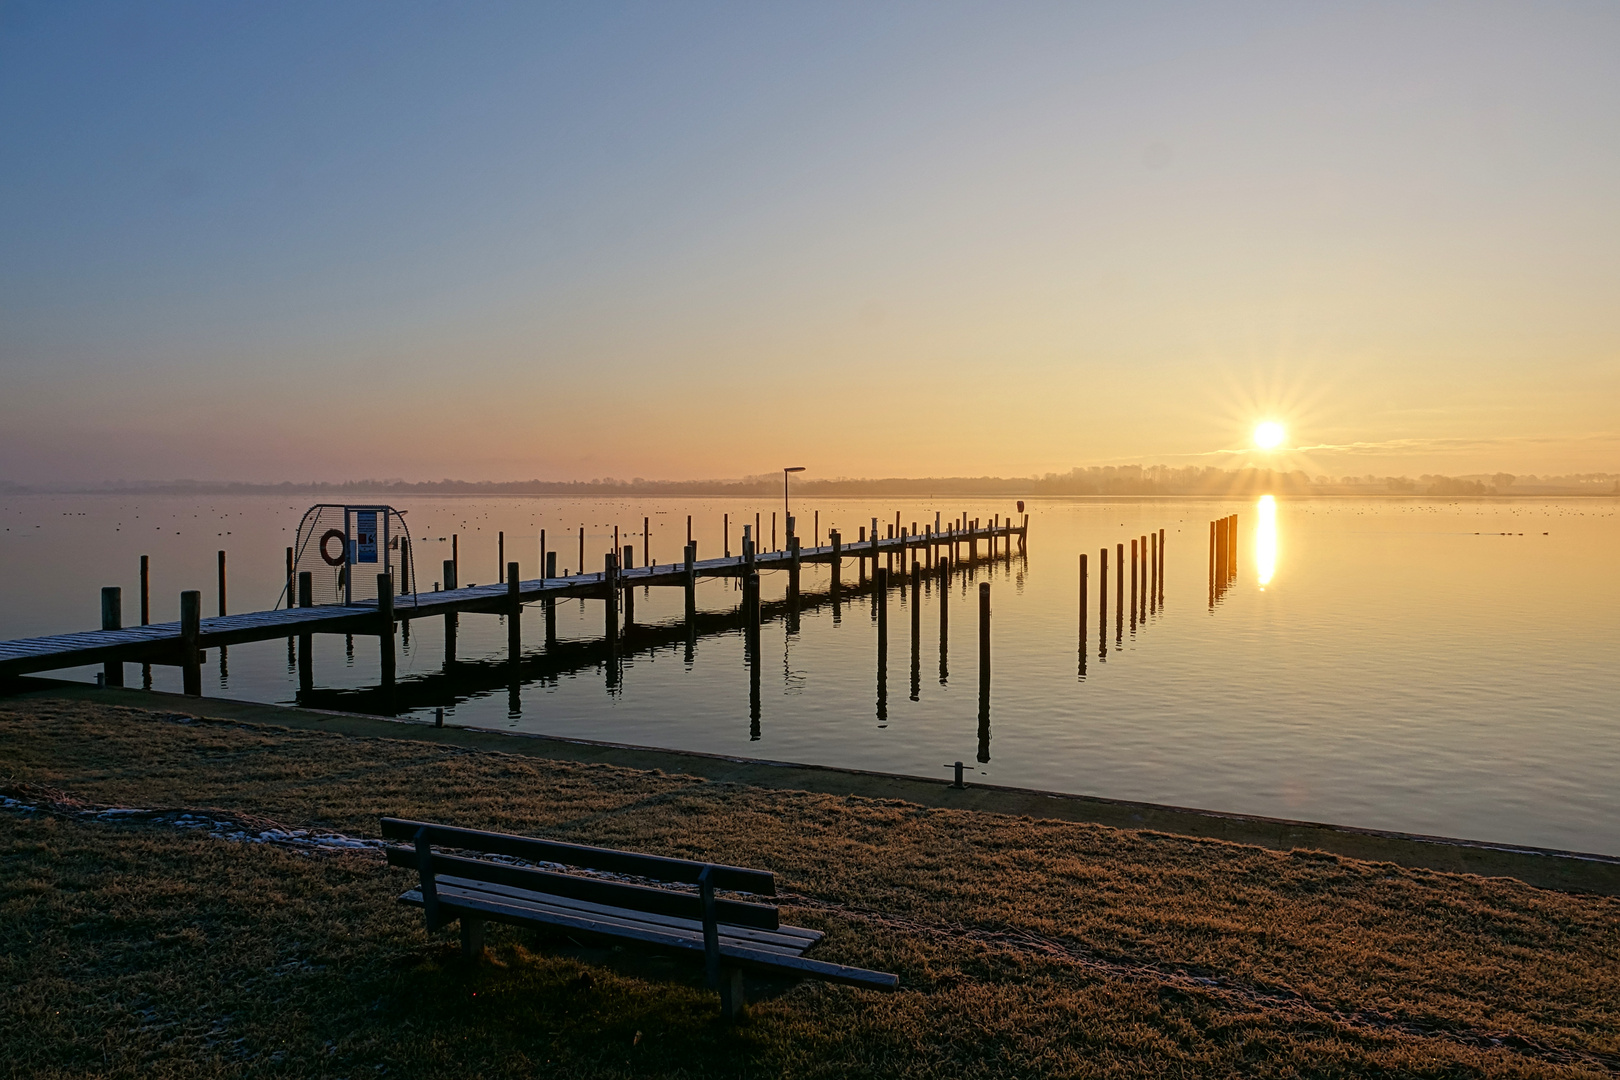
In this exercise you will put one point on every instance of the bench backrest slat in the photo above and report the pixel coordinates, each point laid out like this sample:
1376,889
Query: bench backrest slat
656,867
681,905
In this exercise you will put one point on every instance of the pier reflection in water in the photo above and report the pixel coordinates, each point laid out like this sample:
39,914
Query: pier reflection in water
460,680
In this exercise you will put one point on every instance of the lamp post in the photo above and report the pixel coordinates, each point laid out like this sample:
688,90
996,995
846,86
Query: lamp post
794,469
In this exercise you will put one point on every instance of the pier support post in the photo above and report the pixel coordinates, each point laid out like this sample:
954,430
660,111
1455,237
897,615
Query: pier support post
222,583
292,580
112,618
146,590
451,619
190,632
500,558
306,640
385,626
836,539
610,579
514,615
629,591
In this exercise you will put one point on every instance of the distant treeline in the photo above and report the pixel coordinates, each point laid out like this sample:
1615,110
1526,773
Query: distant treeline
1095,480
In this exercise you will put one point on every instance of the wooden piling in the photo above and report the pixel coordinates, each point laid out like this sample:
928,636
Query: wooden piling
551,564
1102,592
629,593
222,583
112,618
1143,601
1232,547
190,631
725,533
1212,555
836,539
292,581
646,540
916,604
543,553
611,601
1161,568
385,621
1119,594
455,553
1153,571
880,602
582,549
984,635
514,613
1133,579
1083,604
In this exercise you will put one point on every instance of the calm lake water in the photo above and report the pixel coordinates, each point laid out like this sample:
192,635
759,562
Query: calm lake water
1421,666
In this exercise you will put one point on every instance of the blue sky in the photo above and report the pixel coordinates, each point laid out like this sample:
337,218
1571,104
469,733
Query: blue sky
353,239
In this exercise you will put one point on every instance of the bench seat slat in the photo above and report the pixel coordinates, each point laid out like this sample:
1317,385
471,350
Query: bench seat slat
656,867
614,893
504,910
613,921
796,937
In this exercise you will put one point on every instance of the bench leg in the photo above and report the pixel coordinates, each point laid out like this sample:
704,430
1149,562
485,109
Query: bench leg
732,1000
472,936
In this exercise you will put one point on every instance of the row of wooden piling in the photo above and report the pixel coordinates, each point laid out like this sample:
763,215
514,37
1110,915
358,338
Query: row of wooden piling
1146,590
1223,556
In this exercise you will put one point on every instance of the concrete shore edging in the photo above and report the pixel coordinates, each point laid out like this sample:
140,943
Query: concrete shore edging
1569,871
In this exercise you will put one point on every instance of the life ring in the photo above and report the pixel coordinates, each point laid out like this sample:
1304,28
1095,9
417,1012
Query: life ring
343,547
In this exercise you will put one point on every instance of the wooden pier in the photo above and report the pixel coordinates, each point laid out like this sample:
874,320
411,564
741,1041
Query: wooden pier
182,643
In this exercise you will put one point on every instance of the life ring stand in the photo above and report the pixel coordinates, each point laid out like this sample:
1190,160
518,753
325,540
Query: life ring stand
343,547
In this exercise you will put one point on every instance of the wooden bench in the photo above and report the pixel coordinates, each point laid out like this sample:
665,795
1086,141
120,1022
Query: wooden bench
520,880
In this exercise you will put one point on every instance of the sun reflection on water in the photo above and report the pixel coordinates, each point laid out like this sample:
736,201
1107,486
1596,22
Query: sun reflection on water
1265,539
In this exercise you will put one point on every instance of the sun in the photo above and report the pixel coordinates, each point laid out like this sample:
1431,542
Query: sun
1269,435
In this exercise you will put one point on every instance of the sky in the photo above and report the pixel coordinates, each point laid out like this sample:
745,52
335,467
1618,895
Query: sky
567,241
